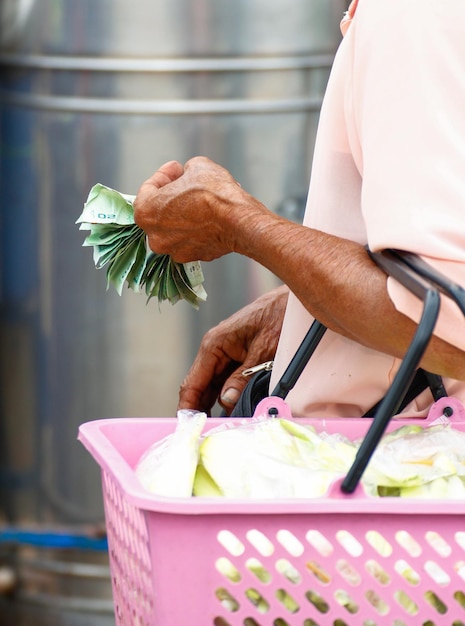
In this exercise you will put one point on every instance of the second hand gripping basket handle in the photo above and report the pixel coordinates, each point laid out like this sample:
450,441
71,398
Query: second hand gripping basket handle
426,283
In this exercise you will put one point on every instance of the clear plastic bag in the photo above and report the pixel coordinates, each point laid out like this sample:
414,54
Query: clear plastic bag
168,467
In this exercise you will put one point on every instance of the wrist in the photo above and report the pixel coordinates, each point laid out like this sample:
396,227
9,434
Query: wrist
251,224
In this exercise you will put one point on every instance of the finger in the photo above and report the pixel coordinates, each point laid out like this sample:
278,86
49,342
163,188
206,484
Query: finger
167,173
212,366
203,166
200,388
232,389
144,200
197,400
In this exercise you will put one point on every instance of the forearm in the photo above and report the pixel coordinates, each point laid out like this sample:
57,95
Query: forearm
200,212
339,284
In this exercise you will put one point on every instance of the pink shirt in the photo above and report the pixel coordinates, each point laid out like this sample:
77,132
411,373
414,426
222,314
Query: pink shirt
388,170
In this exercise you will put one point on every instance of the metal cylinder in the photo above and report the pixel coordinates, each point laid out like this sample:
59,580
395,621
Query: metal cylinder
56,587
105,91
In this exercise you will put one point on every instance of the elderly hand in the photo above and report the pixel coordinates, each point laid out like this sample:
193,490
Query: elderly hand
193,212
245,339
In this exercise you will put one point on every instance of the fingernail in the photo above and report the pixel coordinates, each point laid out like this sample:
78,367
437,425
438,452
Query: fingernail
230,396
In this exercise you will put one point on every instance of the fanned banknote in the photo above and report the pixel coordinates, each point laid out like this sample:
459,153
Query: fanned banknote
121,246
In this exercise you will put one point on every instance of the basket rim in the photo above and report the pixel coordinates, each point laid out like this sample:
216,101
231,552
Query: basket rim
94,438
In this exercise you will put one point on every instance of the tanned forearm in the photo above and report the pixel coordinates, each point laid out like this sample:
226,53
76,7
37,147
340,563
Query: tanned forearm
339,284
200,212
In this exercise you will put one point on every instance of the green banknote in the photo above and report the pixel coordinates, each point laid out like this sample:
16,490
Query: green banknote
121,246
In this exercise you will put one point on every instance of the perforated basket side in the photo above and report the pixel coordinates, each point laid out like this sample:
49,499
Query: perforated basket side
311,570
345,562
129,554
289,570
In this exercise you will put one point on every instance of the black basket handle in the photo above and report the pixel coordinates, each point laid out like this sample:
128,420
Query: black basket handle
426,283
444,284
300,359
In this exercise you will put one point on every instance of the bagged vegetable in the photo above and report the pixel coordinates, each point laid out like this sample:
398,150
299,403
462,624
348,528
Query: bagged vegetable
264,457
168,467
417,461
270,458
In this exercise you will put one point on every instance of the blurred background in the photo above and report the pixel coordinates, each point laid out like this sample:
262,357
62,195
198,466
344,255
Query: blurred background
106,91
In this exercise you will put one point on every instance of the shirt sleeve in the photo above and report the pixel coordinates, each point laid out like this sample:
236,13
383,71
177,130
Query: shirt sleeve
407,102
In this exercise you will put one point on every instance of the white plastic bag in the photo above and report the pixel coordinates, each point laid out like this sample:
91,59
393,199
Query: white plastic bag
168,467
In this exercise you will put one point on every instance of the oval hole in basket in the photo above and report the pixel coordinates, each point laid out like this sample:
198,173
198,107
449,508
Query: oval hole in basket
319,542
377,602
348,572
310,622
256,598
460,539
378,572
459,596
436,602
438,543
286,569
228,570
290,542
346,601
318,601
249,621
319,573
220,621
408,543
260,542
406,602
459,567
407,572
287,601
436,572
282,622
258,570
228,601
379,543
349,543
230,542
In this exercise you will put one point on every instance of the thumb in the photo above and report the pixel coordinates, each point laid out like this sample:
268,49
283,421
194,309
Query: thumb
233,387
167,173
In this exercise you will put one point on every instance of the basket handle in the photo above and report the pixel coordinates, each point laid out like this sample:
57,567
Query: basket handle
300,359
428,291
444,284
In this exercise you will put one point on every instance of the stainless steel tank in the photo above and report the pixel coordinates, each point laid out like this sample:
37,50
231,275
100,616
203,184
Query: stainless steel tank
105,91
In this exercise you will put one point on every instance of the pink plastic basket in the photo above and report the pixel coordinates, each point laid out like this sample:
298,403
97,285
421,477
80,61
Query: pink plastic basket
339,560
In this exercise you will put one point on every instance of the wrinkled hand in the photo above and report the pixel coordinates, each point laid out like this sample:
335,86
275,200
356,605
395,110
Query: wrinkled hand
245,339
192,212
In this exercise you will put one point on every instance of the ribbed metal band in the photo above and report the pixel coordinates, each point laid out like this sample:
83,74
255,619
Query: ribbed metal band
117,64
158,107
160,65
